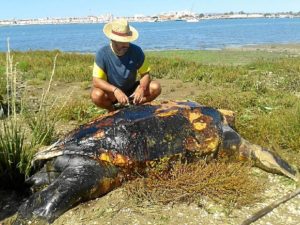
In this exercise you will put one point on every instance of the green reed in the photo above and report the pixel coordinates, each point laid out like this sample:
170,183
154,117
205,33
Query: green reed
22,131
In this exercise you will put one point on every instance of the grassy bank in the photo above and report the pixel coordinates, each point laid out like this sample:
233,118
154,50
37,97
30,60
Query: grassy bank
78,67
262,87
215,57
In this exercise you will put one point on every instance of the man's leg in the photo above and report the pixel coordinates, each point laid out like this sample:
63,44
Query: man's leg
103,99
153,92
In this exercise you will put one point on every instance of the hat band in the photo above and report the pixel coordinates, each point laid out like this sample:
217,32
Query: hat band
122,34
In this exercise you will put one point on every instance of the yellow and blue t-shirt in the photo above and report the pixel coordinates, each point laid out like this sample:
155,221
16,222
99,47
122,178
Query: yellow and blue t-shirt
120,71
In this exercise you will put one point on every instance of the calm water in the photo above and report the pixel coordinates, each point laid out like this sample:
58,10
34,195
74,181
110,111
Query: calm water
207,34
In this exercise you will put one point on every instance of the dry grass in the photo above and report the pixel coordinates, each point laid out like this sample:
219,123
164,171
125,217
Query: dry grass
230,184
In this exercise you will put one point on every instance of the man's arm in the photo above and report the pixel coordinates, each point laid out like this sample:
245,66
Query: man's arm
109,88
103,85
139,93
145,81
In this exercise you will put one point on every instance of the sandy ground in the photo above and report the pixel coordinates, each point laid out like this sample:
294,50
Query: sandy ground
114,208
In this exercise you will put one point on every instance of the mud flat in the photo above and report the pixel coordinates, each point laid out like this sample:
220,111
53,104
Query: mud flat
292,48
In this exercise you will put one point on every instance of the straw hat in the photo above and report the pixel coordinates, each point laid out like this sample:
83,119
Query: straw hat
119,30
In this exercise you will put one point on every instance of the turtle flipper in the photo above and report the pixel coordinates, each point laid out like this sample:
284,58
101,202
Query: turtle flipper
41,179
266,159
82,179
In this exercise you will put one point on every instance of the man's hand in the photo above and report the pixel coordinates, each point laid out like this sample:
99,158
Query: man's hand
138,95
120,96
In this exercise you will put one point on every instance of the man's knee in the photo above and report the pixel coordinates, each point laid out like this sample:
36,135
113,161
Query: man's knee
155,88
98,96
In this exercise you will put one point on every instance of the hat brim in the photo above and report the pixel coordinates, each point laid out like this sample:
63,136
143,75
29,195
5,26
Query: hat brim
107,31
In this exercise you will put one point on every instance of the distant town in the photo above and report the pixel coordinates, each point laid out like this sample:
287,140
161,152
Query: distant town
187,16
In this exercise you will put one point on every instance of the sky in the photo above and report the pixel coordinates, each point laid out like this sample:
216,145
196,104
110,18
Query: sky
26,9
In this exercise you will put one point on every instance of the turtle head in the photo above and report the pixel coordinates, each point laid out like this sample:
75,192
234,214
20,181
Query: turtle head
267,160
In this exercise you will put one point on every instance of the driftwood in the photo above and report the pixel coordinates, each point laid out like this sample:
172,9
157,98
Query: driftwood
259,214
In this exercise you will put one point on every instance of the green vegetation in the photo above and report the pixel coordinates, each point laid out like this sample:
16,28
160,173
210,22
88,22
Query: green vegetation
38,65
261,87
15,158
22,131
80,110
2,81
215,57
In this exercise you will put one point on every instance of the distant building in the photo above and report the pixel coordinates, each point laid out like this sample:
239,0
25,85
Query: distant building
167,16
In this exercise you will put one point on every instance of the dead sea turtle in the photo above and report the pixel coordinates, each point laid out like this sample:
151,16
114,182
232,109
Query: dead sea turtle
95,158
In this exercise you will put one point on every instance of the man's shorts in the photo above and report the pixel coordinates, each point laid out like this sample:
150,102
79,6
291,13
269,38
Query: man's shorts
130,91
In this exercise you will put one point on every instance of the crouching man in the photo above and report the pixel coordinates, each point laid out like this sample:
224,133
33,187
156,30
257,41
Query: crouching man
117,67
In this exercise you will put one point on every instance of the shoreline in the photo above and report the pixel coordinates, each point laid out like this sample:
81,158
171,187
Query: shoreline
82,21
269,47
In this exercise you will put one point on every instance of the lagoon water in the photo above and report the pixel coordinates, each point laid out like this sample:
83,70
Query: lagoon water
206,34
